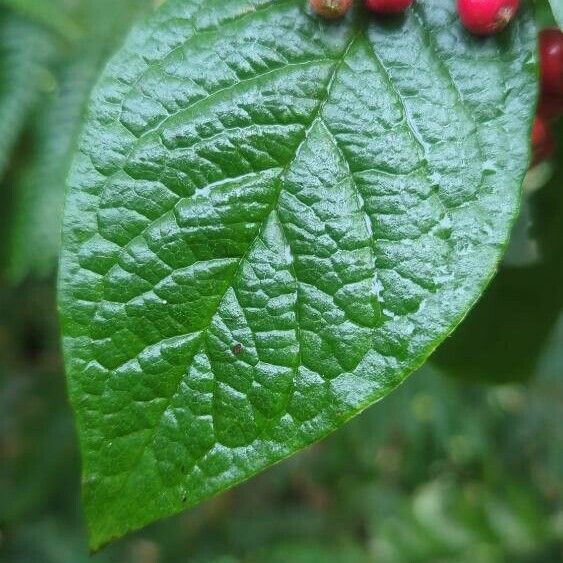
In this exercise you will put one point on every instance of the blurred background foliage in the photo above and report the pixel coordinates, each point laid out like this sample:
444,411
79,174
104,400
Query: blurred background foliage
464,463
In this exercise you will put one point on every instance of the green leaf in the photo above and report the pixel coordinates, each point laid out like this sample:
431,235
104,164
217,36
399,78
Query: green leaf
557,8
36,231
271,222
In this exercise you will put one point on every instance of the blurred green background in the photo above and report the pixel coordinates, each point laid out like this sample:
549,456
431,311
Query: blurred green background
464,463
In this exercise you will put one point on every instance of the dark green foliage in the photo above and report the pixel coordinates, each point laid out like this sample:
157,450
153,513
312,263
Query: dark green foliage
513,320
39,200
25,52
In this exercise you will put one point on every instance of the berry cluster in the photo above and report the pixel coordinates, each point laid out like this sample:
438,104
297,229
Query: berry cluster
481,17
551,96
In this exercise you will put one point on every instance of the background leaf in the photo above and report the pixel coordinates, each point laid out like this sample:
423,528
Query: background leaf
40,192
298,220
557,7
50,13
511,324
25,51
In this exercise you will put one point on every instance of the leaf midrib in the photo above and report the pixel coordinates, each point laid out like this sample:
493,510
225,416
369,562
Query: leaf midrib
317,114
228,285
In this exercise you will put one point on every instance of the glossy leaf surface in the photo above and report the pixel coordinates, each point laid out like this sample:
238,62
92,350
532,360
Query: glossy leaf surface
271,222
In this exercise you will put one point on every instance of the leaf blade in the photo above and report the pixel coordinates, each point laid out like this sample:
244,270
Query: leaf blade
303,242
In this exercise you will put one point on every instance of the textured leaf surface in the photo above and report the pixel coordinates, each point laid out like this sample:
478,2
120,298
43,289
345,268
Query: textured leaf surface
271,222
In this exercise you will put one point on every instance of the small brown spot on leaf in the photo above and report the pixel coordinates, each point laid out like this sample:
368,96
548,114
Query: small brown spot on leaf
237,349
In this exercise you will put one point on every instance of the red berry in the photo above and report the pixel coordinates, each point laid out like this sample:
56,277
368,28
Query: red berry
550,107
543,143
388,6
485,17
551,61
539,131
331,9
